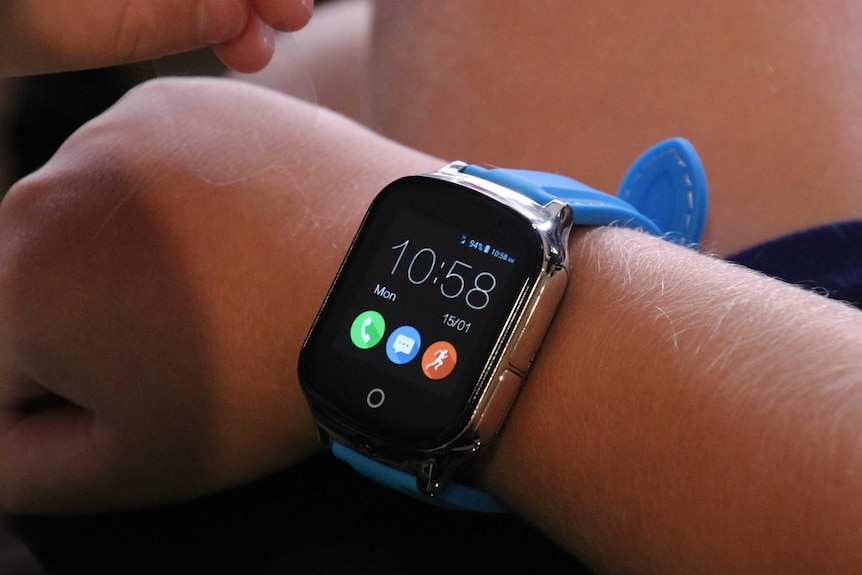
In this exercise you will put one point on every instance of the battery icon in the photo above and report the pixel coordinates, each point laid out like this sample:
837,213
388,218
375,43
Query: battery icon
487,248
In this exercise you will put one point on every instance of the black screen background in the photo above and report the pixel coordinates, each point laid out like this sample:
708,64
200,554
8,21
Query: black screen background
435,214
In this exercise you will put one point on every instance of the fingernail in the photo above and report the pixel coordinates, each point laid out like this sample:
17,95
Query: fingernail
307,6
267,36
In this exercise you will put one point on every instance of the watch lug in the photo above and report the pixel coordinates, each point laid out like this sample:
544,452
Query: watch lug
452,168
433,475
323,437
427,478
557,237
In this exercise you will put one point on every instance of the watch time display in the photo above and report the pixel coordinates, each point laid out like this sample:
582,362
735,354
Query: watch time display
412,322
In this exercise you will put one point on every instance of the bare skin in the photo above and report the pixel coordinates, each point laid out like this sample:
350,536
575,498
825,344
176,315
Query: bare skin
154,291
767,92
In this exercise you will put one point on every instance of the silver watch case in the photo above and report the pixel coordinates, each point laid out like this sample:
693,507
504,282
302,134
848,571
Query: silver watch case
507,367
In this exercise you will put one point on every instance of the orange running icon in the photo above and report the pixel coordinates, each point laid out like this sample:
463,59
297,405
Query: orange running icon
439,360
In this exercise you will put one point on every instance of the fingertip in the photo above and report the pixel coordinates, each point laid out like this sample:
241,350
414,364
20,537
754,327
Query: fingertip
251,51
284,15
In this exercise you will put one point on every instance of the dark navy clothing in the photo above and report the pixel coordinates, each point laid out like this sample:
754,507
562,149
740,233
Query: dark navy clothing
827,259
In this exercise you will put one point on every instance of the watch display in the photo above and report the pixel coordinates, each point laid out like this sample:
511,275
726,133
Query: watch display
412,324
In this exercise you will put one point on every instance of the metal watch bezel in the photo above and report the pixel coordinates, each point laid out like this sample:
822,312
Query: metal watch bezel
525,326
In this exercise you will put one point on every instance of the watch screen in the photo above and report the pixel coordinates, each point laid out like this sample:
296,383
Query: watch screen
413,320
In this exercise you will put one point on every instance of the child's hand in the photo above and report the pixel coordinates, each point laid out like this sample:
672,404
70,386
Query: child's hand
38,36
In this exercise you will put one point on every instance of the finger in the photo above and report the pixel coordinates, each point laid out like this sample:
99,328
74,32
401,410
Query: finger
49,35
43,437
285,15
251,50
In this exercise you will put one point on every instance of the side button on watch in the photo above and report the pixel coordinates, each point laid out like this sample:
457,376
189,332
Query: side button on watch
432,322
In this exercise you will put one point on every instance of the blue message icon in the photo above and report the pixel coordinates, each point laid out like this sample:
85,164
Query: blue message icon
403,344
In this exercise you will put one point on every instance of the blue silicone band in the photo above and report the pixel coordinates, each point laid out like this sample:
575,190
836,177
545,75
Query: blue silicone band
591,207
664,193
667,184
455,496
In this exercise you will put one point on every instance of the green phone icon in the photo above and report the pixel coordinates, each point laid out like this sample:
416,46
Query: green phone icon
367,329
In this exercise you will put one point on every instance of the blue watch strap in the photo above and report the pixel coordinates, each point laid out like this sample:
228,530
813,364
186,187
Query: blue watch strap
664,193
667,184
591,207
454,496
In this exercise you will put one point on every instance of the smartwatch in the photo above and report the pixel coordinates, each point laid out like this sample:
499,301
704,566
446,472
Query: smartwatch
432,322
